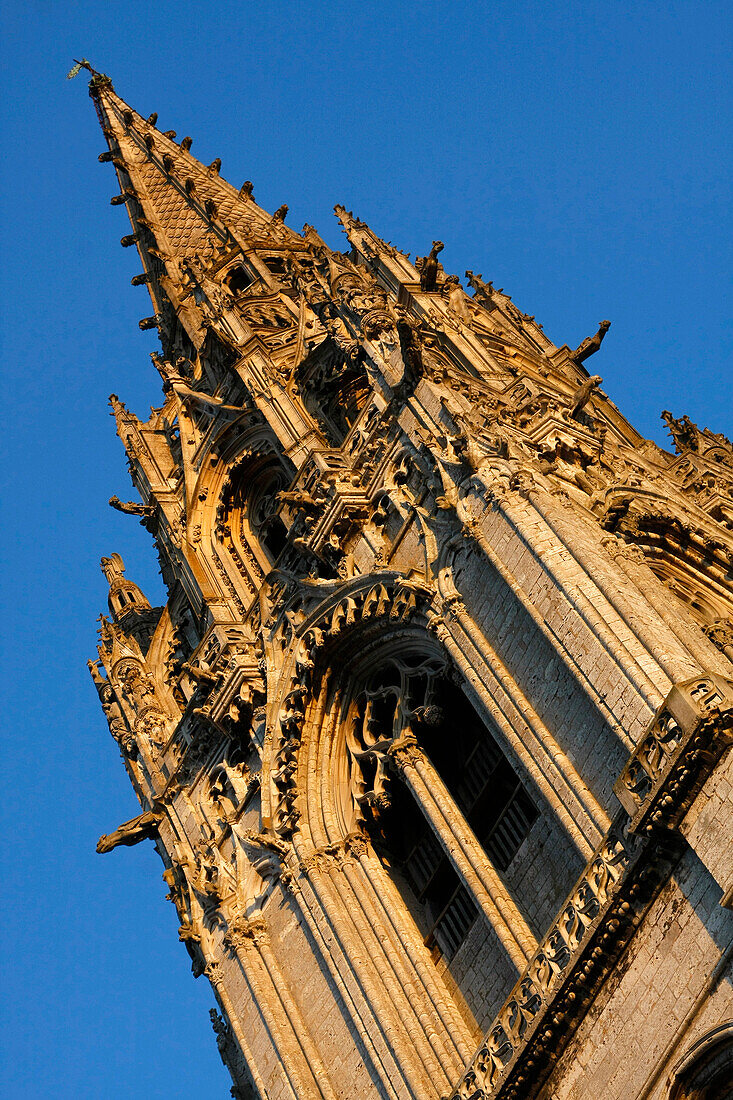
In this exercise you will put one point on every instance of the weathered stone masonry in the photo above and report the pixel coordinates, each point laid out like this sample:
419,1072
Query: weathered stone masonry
433,733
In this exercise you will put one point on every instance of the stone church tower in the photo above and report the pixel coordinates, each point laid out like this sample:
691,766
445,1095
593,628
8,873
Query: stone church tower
432,734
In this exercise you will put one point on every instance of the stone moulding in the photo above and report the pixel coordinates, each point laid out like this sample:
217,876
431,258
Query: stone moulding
580,946
688,734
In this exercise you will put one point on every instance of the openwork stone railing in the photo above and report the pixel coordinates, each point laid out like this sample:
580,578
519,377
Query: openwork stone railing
693,725
686,737
589,903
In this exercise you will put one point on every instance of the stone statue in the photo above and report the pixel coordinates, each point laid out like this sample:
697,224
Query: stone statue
582,396
457,298
137,687
684,432
428,267
113,567
590,345
483,292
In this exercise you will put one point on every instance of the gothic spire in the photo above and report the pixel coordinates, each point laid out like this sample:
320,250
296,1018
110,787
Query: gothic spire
184,216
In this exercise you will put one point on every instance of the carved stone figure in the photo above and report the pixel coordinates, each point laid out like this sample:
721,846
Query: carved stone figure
591,344
685,434
583,394
429,267
131,507
131,832
483,291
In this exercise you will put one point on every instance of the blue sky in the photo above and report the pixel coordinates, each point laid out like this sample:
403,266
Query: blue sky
578,154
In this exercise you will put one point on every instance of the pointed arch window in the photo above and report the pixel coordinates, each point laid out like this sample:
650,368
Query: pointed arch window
247,516
261,512
410,707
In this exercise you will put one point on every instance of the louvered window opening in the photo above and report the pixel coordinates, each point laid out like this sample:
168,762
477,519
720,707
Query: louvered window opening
450,911
483,783
485,787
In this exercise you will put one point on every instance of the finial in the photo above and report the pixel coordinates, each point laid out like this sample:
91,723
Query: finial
118,407
186,143
152,119
78,66
280,214
245,191
99,80
215,165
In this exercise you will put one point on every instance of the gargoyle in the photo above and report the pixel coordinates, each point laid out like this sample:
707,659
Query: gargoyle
583,394
199,674
482,291
428,267
132,508
187,395
131,832
684,432
591,344
299,499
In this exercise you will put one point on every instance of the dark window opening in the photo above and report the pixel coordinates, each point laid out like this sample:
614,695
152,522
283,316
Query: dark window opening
335,392
262,508
273,536
238,280
276,264
483,783
434,893
413,691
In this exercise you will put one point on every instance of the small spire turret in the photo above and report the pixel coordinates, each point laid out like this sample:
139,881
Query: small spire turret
124,594
128,605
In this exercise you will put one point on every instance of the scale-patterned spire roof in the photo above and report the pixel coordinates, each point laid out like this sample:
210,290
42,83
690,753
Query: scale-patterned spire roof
181,210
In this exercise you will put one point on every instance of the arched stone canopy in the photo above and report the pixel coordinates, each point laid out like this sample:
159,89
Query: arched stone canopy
382,599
